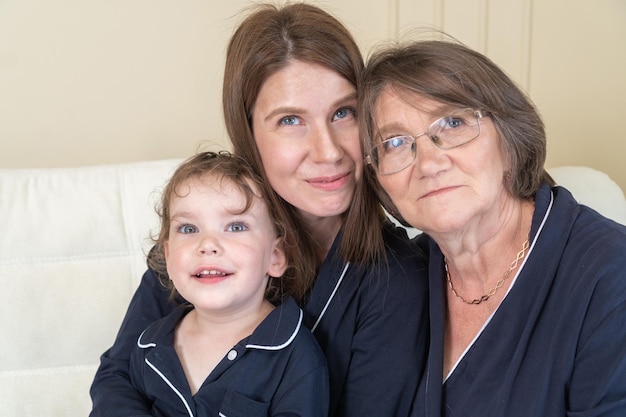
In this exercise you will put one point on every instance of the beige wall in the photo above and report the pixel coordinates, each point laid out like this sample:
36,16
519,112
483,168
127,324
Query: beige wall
95,82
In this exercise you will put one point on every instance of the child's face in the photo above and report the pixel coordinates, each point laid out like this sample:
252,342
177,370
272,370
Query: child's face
218,260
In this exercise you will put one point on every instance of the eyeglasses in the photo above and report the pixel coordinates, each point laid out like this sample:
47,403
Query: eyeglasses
397,153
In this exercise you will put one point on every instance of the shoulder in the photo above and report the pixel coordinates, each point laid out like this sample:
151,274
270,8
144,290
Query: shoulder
400,247
594,235
306,350
401,278
283,330
162,330
592,260
305,346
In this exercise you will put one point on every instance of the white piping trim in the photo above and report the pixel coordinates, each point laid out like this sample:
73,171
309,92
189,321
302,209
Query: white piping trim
164,378
543,222
144,345
278,347
330,298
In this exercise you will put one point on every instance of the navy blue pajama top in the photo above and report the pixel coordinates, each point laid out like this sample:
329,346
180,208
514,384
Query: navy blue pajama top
279,370
556,346
370,321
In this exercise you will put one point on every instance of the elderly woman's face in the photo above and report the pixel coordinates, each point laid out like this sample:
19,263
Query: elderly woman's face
443,191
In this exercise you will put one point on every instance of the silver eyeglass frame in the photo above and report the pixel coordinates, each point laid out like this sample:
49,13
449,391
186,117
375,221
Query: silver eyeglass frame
479,114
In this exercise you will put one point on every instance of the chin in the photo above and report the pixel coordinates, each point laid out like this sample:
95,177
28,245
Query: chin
332,208
437,222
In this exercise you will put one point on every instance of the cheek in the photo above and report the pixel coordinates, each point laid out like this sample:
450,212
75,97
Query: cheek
396,185
354,150
280,163
350,139
275,152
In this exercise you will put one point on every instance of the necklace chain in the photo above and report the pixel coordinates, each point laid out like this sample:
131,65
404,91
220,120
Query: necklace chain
519,257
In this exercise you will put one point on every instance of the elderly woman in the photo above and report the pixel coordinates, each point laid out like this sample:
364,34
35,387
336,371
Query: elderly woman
527,287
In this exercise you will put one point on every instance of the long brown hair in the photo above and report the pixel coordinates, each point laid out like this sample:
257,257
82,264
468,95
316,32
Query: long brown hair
267,40
224,166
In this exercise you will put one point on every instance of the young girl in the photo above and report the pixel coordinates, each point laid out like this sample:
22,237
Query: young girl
236,346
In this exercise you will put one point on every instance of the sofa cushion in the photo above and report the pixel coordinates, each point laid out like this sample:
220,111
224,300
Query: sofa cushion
71,255
593,188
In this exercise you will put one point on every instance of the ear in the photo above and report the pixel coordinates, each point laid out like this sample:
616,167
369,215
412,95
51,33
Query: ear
166,253
278,261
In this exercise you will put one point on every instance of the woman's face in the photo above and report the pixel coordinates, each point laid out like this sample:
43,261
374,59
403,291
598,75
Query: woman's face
443,191
305,128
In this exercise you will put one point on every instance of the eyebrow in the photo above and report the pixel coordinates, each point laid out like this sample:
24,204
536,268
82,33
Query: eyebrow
390,127
185,215
298,110
441,111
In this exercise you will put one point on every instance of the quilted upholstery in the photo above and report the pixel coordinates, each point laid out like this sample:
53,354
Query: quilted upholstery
71,254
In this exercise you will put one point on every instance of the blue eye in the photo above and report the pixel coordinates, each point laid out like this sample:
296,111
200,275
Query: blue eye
394,144
343,113
187,228
454,122
237,227
451,122
289,121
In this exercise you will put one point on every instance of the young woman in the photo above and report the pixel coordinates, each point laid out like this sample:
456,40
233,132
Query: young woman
290,94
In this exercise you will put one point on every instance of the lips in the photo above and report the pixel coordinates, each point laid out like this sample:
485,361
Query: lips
330,183
437,191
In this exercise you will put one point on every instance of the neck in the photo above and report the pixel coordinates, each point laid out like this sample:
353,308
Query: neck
477,262
229,325
323,231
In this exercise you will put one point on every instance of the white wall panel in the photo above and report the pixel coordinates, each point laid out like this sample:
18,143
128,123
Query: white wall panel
500,29
85,82
578,80
570,55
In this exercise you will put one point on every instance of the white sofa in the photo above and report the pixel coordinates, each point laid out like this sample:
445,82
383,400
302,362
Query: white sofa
71,255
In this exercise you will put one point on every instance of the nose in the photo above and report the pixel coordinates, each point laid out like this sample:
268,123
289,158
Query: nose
326,145
209,245
429,159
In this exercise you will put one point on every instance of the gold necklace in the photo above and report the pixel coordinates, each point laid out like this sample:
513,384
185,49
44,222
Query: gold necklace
519,257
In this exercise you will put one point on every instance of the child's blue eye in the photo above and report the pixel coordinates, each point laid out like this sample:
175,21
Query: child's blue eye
187,228
237,227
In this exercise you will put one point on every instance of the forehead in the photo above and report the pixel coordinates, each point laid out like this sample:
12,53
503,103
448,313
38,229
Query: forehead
393,97
298,81
401,111
303,70
216,183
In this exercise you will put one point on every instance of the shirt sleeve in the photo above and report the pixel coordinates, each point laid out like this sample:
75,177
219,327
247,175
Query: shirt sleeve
598,383
111,392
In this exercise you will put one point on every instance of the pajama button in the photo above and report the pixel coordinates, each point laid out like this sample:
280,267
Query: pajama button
232,355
